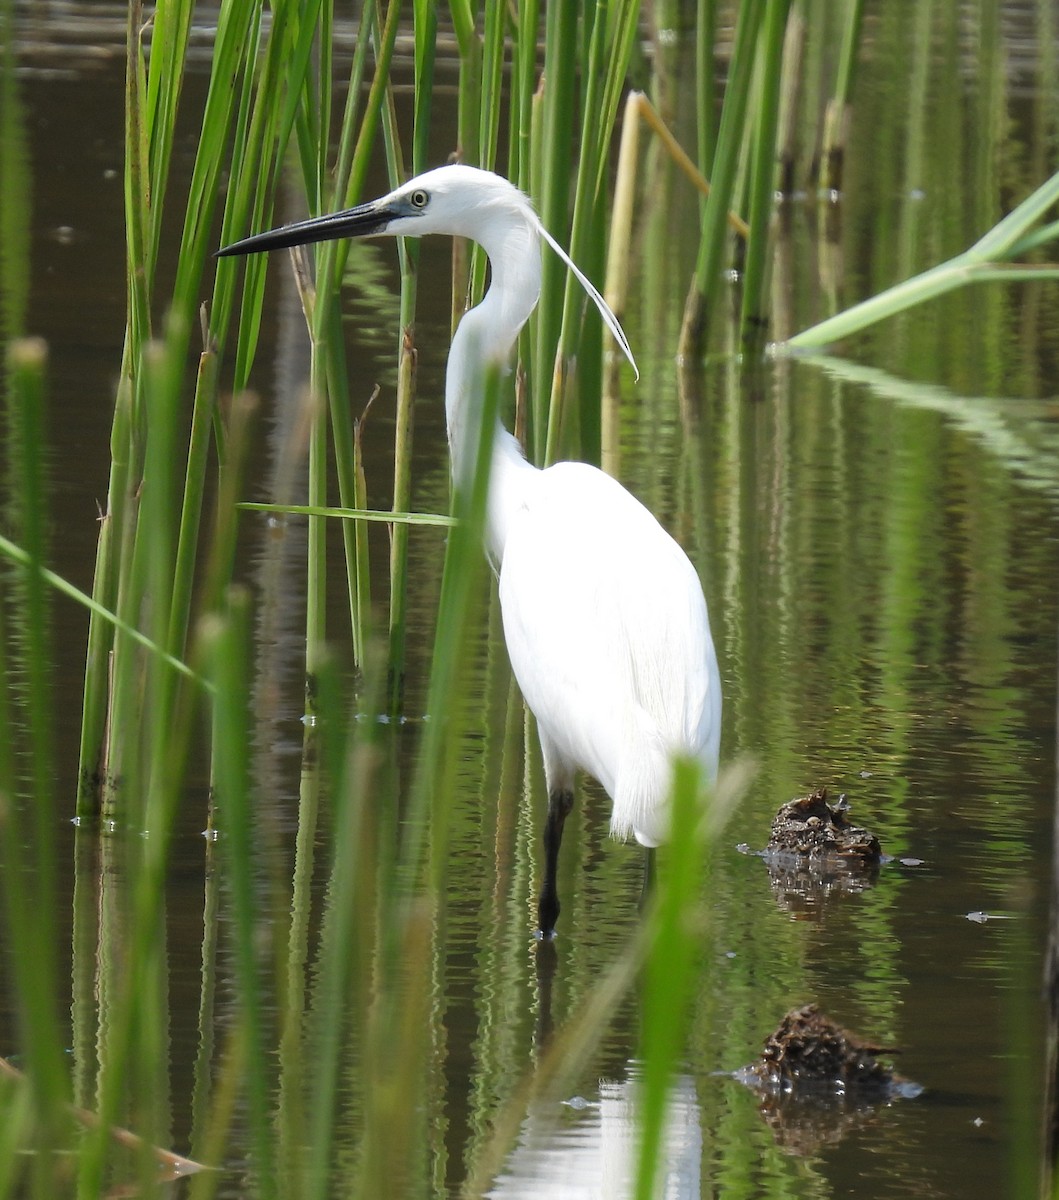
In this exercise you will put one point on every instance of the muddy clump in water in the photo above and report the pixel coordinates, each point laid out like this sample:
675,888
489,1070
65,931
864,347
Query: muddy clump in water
810,1048
816,855
818,1081
809,827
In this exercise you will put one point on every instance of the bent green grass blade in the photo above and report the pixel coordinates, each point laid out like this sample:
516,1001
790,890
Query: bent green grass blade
351,514
16,554
989,259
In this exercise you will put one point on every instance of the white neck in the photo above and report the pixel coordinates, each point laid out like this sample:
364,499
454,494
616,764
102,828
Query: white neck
484,339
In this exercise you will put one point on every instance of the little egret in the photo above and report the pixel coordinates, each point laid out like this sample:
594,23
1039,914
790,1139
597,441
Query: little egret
604,616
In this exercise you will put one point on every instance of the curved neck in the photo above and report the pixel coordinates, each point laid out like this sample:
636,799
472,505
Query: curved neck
483,341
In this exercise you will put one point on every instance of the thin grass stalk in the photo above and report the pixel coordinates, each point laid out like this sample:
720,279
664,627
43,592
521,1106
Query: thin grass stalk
230,1073
425,37
670,968
484,107
589,371
408,255
402,496
84,941
722,184
763,168
207,1023
836,119
412,906
469,42
316,564
27,828
133,1050
616,279
170,32
324,73
95,705
15,202
328,379
622,28
789,115
182,580
496,21
256,165
524,81
467,149
121,753
360,497
18,1117
224,646
289,1119
560,66
351,758
158,529
705,83
165,76
323,349
231,477
308,107
616,276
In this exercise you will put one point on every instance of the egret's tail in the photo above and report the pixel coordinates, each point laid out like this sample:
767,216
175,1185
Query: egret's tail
641,792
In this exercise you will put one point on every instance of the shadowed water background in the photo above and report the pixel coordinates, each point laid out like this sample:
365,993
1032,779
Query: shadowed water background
879,544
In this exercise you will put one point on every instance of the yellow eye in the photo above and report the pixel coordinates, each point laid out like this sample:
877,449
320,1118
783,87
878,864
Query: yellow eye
419,198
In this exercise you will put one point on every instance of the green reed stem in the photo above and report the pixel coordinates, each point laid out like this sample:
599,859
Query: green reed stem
112,587
763,165
328,346
425,35
225,103
671,967
411,900
468,98
363,834
606,59
524,81
722,183
28,823
15,203
836,120
705,83
560,71
224,645
496,21
402,496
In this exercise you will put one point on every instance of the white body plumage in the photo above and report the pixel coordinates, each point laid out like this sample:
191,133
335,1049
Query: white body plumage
604,616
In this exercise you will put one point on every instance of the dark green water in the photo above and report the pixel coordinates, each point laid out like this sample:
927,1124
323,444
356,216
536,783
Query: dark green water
878,535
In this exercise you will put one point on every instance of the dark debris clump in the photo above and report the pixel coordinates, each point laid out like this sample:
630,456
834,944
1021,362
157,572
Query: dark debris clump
809,1048
810,827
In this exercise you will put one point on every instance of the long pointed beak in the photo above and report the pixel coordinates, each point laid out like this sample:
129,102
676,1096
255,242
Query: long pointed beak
362,221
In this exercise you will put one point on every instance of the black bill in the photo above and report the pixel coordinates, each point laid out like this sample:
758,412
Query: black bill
362,221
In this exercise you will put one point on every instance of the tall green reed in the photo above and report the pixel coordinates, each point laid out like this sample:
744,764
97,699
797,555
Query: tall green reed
27,796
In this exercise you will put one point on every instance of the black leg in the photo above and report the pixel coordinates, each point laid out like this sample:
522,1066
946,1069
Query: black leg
559,805
647,891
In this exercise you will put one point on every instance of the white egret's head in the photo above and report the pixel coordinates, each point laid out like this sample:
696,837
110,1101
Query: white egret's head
457,200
